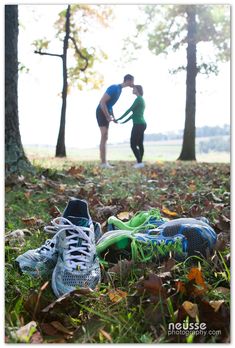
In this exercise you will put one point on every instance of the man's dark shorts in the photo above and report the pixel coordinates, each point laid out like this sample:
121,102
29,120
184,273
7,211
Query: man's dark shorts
101,119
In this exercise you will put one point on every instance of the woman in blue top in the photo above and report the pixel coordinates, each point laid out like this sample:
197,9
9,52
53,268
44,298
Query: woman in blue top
139,125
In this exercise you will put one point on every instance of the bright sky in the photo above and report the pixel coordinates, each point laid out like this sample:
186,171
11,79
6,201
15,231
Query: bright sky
40,103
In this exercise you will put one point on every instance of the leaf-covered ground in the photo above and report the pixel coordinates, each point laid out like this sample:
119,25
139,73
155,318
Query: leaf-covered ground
135,302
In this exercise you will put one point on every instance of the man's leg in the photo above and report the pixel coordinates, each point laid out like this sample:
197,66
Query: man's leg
103,141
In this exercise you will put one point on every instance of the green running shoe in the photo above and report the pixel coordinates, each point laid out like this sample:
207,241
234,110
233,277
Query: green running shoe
137,246
140,221
183,237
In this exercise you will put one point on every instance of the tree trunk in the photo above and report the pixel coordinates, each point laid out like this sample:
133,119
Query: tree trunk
15,159
60,147
188,147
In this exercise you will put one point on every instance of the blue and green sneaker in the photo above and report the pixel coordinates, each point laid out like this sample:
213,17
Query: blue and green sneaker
183,237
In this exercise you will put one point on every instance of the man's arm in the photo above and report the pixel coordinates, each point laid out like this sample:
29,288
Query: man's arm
103,106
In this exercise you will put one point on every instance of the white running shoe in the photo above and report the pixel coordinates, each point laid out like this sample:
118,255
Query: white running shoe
77,263
106,165
39,262
138,165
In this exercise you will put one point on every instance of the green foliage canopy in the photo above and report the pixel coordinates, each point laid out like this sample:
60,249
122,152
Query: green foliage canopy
166,30
83,51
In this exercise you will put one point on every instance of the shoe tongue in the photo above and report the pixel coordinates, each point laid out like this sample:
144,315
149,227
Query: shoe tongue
79,221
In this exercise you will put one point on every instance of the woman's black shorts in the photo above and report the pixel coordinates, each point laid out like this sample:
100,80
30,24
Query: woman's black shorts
101,119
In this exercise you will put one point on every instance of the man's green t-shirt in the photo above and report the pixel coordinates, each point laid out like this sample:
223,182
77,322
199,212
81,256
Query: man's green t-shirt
137,109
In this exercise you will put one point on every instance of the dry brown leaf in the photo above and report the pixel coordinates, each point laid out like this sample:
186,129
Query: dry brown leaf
116,295
151,284
58,326
125,215
216,304
191,309
180,286
54,211
36,338
222,290
32,221
106,335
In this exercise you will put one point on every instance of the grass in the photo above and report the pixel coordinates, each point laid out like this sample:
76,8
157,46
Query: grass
154,151
135,301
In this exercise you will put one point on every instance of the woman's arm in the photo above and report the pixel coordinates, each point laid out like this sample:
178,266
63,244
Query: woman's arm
129,118
132,108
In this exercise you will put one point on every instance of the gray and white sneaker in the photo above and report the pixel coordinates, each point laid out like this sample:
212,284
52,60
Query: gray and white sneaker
77,263
39,262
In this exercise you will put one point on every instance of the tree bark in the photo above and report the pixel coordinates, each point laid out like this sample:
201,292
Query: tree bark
188,147
15,160
60,147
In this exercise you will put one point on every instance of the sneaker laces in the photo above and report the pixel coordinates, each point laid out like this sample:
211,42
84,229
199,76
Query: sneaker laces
77,256
46,247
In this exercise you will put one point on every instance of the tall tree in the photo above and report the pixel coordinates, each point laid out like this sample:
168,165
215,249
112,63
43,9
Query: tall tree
81,73
173,27
16,161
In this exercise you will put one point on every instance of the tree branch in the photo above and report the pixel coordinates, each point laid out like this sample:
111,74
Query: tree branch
49,54
79,53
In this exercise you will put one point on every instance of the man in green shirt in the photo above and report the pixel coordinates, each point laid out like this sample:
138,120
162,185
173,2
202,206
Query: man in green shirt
139,125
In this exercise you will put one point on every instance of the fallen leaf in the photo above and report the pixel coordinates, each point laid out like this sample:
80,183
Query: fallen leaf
48,329
117,295
168,265
106,335
191,309
25,332
74,171
222,290
125,215
58,326
32,221
180,286
67,297
195,275
54,211
216,304
36,338
195,210
123,268
151,284
168,212
222,241
192,187
223,224
212,196
27,194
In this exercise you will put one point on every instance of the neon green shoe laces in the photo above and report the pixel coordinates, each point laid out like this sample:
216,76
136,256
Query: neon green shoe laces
140,219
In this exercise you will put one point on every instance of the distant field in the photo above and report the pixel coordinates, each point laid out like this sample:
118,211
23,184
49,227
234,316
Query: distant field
154,151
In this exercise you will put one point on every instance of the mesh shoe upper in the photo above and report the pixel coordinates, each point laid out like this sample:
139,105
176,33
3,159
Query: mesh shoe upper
40,261
194,235
77,264
199,234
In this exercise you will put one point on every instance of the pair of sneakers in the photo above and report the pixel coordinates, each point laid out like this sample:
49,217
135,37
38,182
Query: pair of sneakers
70,256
